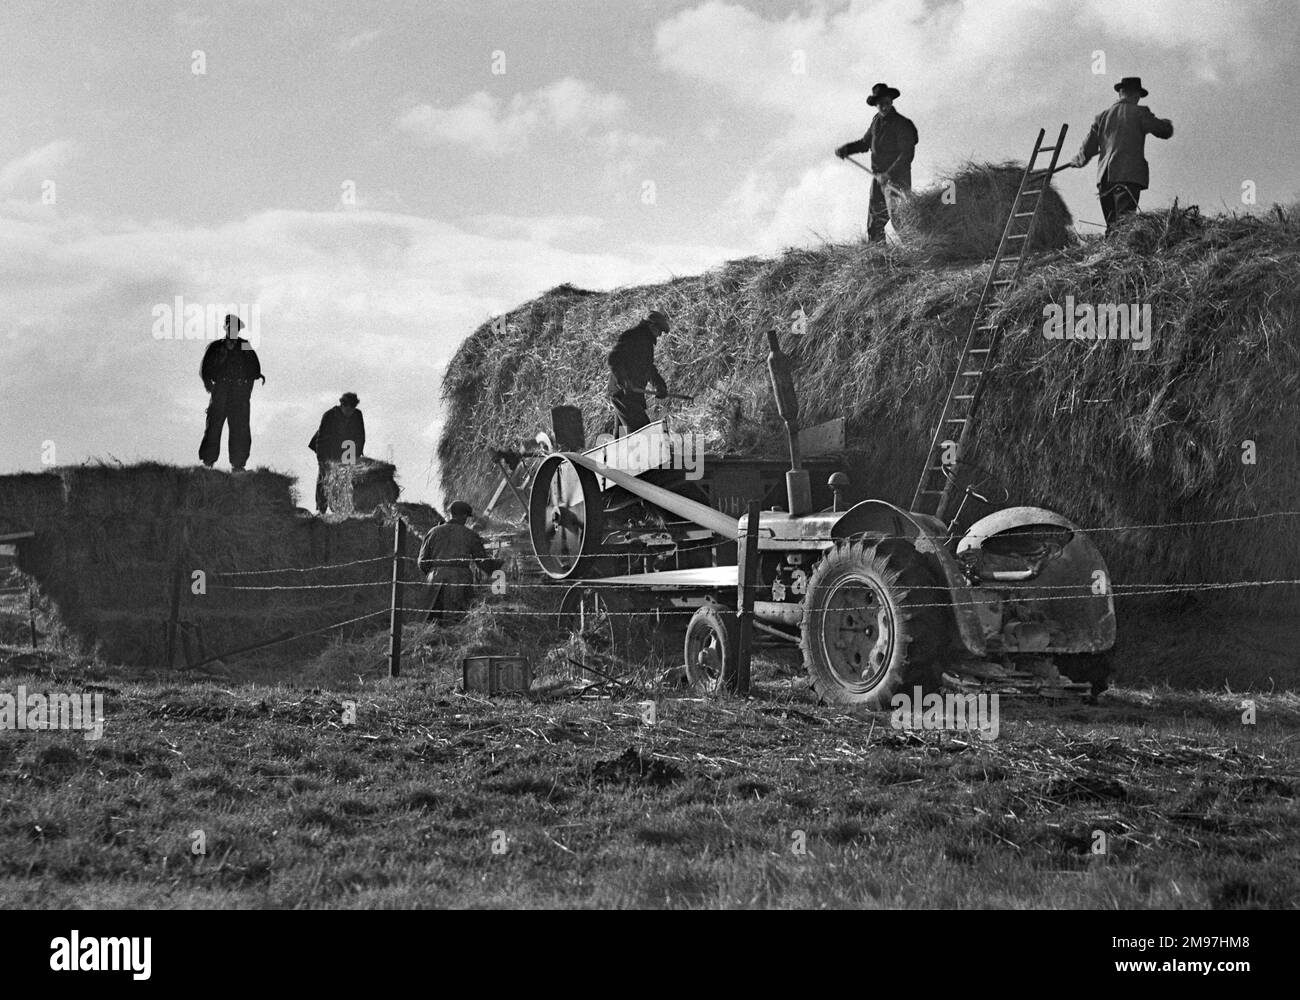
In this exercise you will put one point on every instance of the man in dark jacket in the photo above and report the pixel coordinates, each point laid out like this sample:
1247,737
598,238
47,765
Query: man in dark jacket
631,366
229,369
340,438
1119,135
891,139
446,555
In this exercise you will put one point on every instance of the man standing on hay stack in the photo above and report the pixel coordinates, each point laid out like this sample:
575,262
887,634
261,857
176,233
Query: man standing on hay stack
891,140
631,366
229,369
340,438
1119,134
446,555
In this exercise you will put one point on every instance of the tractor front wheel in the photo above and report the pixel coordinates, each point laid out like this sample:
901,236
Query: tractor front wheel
874,623
712,647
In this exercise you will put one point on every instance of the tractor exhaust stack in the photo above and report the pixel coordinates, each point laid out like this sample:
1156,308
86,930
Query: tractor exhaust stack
798,487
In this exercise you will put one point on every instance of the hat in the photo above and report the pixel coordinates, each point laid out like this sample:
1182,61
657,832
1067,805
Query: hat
658,320
1131,83
883,90
460,509
349,399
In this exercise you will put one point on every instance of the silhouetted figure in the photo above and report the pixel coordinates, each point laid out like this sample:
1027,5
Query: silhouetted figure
891,139
631,366
1119,135
446,555
341,437
229,369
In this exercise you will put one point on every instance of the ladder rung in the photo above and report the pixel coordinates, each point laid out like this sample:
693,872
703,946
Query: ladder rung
963,397
1012,260
1034,191
980,350
1004,281
1046,149
1019,236
971,374
935,493
957,420
1022,215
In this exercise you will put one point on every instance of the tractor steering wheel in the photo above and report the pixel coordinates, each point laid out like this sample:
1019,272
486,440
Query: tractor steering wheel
985,482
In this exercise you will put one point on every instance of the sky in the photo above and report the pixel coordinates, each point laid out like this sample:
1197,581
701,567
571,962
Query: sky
379,178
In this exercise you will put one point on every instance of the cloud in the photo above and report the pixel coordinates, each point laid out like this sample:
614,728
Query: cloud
354,42
491,126
38,164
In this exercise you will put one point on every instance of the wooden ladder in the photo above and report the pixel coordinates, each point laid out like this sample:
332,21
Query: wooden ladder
934,492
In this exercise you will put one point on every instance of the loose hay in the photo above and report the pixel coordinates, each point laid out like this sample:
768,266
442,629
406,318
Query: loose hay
962,217
360,487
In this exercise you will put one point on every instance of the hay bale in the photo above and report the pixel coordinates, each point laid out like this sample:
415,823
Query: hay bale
360,487
962,217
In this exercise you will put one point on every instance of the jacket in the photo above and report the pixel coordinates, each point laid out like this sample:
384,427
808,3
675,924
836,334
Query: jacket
335,428
632,361
1119,135
454,546
222,363
891,139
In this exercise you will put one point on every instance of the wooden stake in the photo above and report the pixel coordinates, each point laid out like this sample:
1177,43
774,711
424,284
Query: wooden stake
748,582
395,605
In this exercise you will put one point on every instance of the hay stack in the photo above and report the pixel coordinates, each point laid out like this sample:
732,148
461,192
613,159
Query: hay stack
963,216
1108,435
113,543
360,487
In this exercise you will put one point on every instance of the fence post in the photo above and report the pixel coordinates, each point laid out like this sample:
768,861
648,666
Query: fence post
31,612
747,584
395,604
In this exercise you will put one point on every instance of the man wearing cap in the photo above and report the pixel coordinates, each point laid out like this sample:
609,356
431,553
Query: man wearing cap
446,555
340,438
891,139
1119,135
229,369
631,366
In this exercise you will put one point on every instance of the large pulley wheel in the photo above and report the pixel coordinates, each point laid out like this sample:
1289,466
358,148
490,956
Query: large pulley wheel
712,647
565,517
874,623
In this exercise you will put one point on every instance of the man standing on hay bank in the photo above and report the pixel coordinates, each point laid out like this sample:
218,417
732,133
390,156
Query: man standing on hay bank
1119,134
340,438
631,366
229,369
891,139
446,555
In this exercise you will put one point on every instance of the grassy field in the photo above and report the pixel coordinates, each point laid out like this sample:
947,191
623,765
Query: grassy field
433,798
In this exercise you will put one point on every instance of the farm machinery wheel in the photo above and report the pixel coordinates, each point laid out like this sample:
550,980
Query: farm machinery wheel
605,633
565,516
871,623
712,643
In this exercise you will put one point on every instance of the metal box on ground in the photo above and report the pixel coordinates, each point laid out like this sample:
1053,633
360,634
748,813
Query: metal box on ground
492,675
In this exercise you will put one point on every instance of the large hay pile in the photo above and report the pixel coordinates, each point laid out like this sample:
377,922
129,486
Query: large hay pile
116,546
1111,436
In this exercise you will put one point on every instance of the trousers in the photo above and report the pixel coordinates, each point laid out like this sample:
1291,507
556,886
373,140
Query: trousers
228,404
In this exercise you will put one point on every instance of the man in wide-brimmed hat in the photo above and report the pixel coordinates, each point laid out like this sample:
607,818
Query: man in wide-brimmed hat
1119,135
891,139
631,366
341,437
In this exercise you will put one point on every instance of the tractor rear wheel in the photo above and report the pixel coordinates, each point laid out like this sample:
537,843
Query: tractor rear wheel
874,623
712,646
